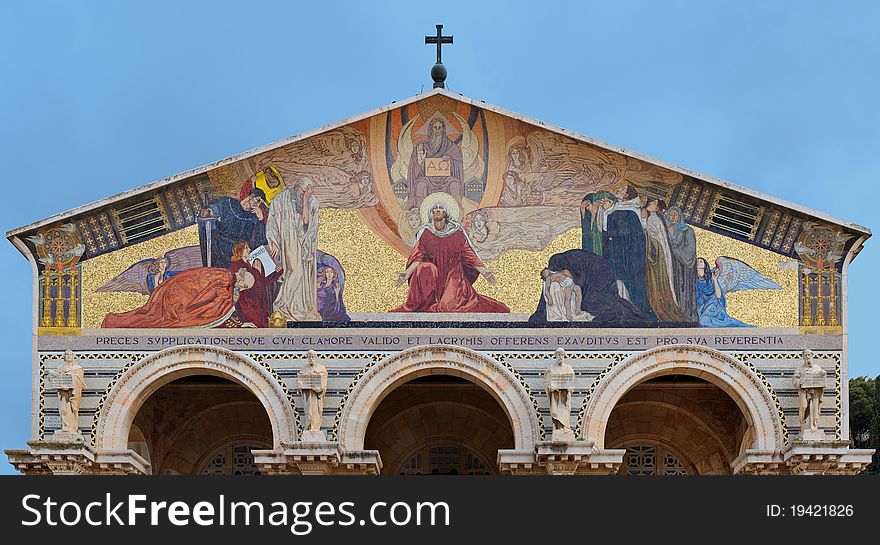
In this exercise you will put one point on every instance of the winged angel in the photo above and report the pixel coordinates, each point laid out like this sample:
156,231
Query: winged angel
146,275
713,285
551,169
336,161
436,163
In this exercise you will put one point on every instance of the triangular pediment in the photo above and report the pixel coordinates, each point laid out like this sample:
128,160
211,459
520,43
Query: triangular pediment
603,161
522,191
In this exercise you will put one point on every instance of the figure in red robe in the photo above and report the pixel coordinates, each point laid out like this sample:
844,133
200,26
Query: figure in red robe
442,268
255,304
200,297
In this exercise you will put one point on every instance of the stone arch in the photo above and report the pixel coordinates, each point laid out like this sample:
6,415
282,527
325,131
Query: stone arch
479,429
700,448
145,377
700,421
137,442
730,375
388,374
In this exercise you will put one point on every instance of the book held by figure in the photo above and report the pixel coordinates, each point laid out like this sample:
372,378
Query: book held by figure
59,382
309,381
262,255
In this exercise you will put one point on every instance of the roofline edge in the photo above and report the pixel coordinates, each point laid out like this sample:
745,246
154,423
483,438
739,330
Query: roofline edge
455,96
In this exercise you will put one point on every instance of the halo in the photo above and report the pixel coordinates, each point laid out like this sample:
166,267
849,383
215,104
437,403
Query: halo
452,208
451,130
516,142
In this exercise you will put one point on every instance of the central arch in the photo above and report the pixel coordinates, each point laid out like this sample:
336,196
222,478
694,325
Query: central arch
734,377
147,376
407,365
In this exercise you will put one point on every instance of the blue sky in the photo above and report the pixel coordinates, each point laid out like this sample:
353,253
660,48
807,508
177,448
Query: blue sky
100,97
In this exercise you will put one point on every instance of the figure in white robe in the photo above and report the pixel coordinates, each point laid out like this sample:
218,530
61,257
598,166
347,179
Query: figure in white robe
312,382
70,395
292,232
558,383
563,297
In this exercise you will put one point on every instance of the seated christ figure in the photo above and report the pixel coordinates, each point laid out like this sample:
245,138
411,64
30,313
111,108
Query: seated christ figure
435,166
443,265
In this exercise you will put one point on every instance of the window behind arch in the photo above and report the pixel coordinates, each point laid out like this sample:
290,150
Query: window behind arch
232,460
651,460
445,459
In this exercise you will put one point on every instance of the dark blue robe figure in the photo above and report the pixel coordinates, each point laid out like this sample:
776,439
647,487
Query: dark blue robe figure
330,285
599,294
623,243
712,310
233,224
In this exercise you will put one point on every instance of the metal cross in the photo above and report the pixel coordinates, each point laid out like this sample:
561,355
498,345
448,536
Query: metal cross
439,39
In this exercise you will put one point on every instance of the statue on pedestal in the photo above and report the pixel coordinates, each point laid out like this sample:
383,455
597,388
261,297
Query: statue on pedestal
68,380
559,382
809,379
312,382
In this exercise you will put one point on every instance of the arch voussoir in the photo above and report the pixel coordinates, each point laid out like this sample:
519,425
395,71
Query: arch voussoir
732,376
135,386
386,375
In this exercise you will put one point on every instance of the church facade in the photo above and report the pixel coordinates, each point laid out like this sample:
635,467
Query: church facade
440,286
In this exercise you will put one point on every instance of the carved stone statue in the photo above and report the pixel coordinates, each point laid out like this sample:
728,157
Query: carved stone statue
559,382
312,382
68,380
809,379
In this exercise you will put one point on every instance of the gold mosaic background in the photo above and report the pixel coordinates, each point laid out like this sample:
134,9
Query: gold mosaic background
762,308
371,266
100,270
519,273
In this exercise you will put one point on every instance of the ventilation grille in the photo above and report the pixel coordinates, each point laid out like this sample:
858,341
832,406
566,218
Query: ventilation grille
735,216
656,190
140,220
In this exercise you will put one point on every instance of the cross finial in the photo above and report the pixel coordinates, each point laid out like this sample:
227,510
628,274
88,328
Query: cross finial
438,71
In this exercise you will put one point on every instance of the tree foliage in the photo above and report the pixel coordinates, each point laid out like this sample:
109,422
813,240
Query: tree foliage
864,416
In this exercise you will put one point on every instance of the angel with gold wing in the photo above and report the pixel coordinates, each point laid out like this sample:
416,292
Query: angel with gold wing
713,284
147,274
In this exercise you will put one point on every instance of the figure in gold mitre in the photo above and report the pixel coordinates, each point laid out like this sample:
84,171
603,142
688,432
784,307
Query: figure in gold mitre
559,382
269,181
312,382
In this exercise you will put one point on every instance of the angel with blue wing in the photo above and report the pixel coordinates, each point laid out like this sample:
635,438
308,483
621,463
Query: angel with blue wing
713,285
147,274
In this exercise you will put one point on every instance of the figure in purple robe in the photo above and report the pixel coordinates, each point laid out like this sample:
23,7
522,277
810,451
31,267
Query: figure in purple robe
330,285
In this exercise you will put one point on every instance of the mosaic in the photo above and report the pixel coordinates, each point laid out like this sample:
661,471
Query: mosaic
438,210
